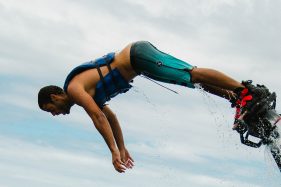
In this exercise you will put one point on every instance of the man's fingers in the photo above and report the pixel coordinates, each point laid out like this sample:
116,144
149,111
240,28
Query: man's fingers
126,163
120,170
129,164
130,158
119,166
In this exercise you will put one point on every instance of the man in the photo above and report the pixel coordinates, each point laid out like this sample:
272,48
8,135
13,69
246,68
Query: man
93,83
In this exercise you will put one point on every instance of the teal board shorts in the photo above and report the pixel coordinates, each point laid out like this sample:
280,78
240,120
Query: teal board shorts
147,60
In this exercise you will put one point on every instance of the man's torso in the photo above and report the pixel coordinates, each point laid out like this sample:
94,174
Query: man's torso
91,77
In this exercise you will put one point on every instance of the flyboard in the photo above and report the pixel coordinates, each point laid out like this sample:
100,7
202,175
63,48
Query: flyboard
261,121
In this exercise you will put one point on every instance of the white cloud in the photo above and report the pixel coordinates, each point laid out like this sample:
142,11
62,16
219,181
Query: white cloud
30,164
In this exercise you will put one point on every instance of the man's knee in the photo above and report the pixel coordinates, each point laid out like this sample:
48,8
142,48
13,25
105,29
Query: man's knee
196,75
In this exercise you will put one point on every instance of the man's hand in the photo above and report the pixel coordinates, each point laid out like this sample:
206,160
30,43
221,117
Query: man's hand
126,158
117,132
118,164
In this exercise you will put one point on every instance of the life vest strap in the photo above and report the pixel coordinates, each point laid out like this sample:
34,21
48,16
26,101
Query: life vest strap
102,79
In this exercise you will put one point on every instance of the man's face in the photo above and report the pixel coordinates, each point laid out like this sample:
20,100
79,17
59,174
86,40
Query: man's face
57,107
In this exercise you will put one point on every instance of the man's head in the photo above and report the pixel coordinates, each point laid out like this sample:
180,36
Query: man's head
54,100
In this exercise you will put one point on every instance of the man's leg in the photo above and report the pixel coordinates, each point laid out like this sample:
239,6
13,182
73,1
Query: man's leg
224,93
151,62
214,78
216,83
221,85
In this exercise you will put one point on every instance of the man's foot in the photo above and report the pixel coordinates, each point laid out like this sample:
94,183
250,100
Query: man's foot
246,98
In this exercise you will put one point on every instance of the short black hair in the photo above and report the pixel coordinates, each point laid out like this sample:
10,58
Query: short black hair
44,94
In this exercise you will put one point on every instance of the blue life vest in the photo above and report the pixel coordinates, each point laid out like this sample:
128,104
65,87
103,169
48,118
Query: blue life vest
109,86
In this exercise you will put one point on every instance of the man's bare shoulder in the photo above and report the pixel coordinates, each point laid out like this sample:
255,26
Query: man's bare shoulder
86,80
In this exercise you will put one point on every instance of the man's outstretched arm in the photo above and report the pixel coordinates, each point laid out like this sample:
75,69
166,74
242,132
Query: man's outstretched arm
82,98
118,135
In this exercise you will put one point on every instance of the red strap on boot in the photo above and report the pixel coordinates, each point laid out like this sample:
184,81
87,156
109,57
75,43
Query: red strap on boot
246,99
244,92
242,101
237,113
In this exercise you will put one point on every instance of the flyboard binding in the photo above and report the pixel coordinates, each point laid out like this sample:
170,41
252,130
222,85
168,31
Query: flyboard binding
260,120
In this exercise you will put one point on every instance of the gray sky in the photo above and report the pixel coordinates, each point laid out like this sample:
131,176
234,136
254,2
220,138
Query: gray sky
176,140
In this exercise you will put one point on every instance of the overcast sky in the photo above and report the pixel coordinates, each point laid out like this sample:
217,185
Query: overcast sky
176,140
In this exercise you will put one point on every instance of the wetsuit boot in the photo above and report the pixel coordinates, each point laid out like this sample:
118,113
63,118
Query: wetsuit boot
247,98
